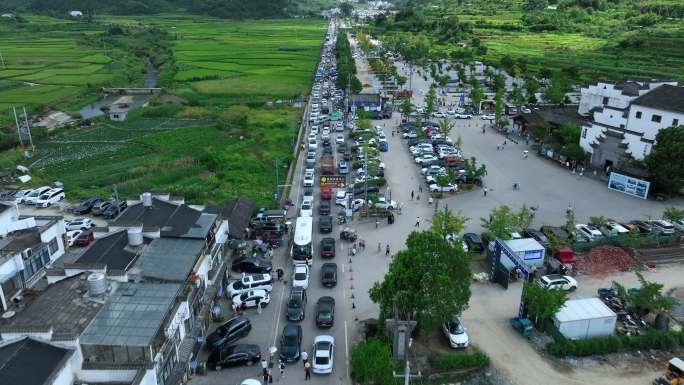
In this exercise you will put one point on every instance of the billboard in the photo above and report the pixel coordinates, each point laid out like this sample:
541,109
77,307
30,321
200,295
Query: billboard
333,181
629,185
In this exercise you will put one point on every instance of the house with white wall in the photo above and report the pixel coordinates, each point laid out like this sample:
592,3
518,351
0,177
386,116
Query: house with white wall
626,117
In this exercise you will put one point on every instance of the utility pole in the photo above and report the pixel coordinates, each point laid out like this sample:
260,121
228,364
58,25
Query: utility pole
16,121
401,334
28,129
275,195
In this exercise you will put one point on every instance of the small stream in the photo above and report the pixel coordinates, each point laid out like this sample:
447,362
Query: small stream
93,110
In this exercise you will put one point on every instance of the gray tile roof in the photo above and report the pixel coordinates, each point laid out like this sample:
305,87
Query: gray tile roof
665,97
111,251
174,220
170,259
238,212
132,316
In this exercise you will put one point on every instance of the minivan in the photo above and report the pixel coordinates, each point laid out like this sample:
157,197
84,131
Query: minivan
50,197
249,282
268,216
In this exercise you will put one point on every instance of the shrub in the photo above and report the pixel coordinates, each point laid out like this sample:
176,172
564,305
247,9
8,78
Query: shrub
371,363
455,361
613,344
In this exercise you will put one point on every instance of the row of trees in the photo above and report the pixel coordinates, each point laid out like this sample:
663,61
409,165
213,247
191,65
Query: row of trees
346,66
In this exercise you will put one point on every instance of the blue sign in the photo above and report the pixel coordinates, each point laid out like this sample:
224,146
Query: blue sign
628,185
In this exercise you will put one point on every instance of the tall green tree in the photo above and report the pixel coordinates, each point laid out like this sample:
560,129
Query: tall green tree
476,93
406,107
517,97
445,222
531,88
542,303
673,214
499,105
430,101
555,92
472,169
346,9
428,281
501,222
446,126
665,160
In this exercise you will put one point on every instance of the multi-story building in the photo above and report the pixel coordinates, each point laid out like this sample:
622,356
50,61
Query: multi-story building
626,118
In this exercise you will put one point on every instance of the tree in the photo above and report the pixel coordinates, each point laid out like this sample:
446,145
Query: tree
371,362
531,87
570,219
363,124
235,116
540,130
346,9
648,297
555,92
430,102
573,151
406,107
476,93
472,169
664,163
446,126
517,97
428,281
541,302
501,223
673,214
445,222
498,106
524,218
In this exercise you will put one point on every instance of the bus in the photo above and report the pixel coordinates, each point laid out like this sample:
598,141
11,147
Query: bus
302,245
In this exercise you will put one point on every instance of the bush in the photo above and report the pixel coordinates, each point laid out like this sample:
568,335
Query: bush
371,363
455,361
373,182
613,344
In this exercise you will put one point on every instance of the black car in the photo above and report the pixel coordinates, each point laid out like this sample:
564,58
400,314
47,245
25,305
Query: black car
327,150
370,189
328,247
341,148
234,355
296,305
325,312
326,144
474,242
537,235
255,265
641,226
291,343
231,331
325,224
100,208
329,274
114,209
324,208
556,232
86,206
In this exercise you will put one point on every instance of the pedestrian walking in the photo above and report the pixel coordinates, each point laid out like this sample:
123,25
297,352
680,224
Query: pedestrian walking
305,358
417,222
379,247
259,306
418,197
498,147
412,194
387,251
484,191
281,366
307,371
270,376
264,365
420,188
504,143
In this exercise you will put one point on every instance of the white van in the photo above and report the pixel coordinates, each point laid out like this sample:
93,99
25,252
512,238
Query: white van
50,197
32,197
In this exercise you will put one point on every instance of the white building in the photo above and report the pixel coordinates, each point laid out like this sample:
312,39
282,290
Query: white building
75,13
626,118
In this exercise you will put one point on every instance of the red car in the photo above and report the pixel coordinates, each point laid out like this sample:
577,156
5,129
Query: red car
328,247
84,238
326,193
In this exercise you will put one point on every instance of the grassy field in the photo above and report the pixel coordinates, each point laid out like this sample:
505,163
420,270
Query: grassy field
187,147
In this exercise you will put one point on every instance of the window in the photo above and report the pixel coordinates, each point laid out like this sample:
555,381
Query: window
675,122
646,148
584,133
53,246
605,100
656,118
638,114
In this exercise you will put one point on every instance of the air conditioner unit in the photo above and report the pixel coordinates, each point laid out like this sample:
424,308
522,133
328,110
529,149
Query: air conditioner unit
26,254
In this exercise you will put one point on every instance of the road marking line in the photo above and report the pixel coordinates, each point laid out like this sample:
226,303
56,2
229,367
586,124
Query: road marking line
346,348
277,317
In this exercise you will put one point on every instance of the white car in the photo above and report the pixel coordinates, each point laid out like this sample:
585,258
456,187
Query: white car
20,194
300,276
79,224
72,235
455,333
252,298
678,224
339,139
616,228
250,282
463,116
313,145
432,169
437,188
488,117
662,227
341,198
50,197
525,110
326,130
588,230
32,197
439,114
451,112
382,203
409,135
314,132
323,354
557,281
427,158
308,179
325,135
306,210
308,196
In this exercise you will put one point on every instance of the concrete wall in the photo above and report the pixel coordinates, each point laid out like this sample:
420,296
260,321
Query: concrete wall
66,374
592,96
110,375
57,230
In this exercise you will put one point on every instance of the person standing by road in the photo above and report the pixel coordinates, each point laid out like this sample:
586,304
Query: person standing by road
305,357
484,191
412,194
387,251
417,222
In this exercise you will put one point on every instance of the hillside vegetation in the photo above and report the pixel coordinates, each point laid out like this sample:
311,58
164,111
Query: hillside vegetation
593,39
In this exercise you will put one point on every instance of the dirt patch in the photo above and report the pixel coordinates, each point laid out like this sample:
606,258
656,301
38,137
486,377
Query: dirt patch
167,98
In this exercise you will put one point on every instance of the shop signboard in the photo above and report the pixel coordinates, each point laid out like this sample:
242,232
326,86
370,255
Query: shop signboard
629,185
